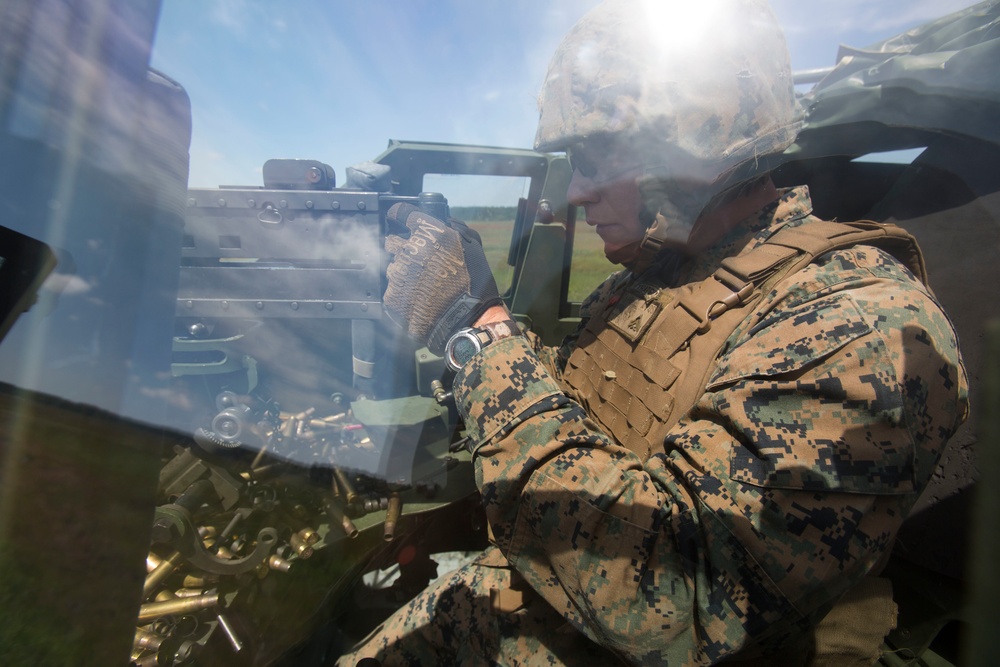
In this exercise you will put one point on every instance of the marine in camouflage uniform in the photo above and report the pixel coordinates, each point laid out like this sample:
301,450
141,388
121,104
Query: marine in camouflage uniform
631,524
777,492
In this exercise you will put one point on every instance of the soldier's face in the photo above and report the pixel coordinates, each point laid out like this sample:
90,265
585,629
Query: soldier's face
605,185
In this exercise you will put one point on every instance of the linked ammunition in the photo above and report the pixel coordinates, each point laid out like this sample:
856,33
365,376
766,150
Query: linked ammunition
162,571
289,427
152,561
305,414
199,580
278,563
302,550
145,639
309,536
189,592
153,610
144,660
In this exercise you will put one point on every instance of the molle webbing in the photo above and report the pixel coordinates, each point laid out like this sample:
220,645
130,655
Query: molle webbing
643,363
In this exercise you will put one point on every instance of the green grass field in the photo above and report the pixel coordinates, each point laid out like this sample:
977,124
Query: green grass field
588,269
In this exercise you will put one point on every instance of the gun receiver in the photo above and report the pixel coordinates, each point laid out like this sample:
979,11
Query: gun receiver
296,248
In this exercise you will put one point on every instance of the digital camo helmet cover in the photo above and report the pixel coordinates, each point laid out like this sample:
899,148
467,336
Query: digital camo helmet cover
696,90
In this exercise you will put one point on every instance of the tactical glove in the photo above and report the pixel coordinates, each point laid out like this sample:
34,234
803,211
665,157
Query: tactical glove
439,280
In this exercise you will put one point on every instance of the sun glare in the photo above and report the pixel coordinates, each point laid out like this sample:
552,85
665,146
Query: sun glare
681,25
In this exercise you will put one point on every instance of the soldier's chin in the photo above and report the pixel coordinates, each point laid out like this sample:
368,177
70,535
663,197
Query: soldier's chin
625,254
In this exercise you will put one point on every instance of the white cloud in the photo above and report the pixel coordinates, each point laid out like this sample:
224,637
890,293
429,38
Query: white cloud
65,283
231,14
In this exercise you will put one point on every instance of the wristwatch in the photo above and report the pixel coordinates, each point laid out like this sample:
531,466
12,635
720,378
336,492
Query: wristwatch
467,343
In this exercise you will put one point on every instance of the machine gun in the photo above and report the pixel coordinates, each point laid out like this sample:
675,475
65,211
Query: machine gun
297,249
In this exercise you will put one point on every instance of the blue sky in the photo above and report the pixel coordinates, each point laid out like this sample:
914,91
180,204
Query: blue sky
335,80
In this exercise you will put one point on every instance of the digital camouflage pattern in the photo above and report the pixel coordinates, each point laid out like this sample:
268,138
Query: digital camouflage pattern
780,490
712,82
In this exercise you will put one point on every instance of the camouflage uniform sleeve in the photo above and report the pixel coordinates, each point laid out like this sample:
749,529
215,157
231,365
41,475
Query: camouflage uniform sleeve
776,493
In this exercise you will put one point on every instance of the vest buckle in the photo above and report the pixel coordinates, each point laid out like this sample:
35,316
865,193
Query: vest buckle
740,291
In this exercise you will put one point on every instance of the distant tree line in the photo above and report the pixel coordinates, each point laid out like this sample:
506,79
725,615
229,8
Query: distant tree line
484,213
495,213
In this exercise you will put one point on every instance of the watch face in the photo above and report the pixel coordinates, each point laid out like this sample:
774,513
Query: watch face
464,348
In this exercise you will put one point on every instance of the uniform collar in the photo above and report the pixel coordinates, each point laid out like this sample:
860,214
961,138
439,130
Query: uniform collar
792,204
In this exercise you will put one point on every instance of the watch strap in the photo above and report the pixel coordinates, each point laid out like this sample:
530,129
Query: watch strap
501,329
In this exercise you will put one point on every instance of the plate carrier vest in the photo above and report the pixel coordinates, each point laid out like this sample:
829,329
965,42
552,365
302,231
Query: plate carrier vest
640,366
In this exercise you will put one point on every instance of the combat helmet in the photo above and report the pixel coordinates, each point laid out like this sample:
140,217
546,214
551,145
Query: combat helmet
700,92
